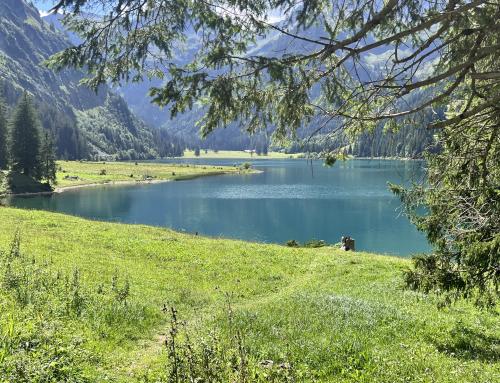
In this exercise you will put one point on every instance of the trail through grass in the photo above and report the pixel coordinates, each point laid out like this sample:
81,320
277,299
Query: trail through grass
320,314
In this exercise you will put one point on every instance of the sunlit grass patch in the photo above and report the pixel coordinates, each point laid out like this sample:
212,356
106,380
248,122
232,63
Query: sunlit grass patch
73,173
300,314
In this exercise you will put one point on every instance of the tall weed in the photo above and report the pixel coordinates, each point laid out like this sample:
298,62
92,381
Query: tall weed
47,317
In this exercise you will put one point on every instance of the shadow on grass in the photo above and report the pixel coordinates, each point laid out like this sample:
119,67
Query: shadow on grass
21,183
470,344
3,185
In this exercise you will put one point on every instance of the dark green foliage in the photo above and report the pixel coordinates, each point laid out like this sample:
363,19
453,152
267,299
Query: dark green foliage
25,140
461,215
431,272
168,145
330,159
278,87
405,141
21,183
461,201
4,155
83,123
70,142
35,157
292,243
315,243
48,168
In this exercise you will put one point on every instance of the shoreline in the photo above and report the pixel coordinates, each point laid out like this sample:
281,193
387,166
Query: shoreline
59,190
294,156
63,189
389,158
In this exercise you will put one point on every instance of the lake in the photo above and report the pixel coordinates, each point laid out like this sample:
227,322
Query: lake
290,199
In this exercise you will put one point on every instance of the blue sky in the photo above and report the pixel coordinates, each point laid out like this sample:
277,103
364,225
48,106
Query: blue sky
44,5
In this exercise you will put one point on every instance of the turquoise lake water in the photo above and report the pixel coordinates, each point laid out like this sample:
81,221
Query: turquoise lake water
290,199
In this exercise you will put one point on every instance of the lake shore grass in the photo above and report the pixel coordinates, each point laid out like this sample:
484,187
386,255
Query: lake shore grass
115,172
93,292
77,174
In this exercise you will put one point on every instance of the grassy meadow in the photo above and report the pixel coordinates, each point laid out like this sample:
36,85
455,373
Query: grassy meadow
74,173
81,173
85,301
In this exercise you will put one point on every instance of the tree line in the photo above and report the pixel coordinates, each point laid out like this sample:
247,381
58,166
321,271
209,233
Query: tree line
24,146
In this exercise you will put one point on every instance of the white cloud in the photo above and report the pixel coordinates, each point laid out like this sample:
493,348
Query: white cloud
44,13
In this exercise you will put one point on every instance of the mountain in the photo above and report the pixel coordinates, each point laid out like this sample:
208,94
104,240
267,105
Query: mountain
408,142
86,124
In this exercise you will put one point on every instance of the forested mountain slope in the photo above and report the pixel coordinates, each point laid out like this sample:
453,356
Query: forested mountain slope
85,124
407,142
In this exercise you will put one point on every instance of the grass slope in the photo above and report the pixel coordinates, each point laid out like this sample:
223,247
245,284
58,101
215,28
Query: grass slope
331,316
76,174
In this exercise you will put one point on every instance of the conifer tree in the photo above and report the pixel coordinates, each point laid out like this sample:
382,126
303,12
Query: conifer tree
4,155
25,143
431,56
48,167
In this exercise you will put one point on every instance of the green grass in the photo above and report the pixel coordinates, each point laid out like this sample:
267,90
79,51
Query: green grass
77,174
108,172
239,154
332,316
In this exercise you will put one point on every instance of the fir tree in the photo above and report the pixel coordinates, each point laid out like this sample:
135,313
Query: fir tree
4,157
48,167
25,144
458,39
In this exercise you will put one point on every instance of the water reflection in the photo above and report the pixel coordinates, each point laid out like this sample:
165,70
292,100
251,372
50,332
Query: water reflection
286,201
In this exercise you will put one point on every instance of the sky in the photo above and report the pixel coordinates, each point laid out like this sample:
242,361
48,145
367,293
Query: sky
43,5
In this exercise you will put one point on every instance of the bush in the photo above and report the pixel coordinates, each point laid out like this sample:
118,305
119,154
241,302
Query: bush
314,243
102,172
293,243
